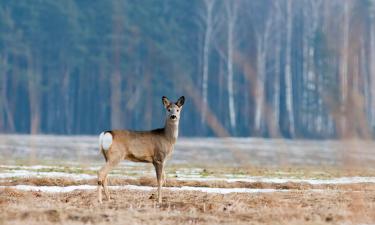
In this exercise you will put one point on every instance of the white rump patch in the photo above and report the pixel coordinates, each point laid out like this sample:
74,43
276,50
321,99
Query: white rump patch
105,140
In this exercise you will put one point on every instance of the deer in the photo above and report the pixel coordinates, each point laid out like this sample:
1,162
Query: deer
153,146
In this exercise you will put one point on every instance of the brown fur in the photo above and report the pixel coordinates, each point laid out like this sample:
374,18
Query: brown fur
154,146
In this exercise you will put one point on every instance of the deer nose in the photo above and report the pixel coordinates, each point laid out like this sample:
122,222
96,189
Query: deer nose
173,117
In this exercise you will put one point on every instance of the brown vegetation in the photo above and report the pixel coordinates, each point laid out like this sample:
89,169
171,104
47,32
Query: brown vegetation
149,181
188,207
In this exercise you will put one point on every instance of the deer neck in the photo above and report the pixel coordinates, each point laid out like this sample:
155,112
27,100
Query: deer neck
171,130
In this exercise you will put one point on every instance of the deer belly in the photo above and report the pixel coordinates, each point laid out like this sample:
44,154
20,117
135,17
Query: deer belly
139,150
138,158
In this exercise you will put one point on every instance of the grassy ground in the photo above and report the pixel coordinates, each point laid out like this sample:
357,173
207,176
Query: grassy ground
299,203
187,207
295,202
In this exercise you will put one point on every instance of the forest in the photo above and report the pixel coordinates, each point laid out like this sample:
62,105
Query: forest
263,68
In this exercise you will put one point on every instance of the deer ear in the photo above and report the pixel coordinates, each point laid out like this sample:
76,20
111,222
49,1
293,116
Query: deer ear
180,101
166,102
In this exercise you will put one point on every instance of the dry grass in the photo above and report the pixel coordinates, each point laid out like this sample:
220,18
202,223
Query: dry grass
150,181
187,207
303,204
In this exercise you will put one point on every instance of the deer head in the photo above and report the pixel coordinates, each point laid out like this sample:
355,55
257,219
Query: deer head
173,109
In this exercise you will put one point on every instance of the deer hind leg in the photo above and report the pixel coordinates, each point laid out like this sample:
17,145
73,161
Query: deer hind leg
159,168
105,187
103,179
164,178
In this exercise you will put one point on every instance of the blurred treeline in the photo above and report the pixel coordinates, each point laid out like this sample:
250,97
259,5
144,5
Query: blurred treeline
282,68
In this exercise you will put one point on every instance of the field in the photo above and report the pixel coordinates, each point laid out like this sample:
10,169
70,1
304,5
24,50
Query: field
52,180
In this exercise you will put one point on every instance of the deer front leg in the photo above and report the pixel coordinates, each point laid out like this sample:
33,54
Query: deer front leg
159,168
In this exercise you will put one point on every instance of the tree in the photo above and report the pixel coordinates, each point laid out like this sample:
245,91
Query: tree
288,69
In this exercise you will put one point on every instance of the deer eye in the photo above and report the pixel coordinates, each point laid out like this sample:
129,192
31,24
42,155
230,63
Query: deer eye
169,110
178,110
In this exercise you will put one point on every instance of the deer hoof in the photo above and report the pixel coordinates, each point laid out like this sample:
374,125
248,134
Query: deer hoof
152,196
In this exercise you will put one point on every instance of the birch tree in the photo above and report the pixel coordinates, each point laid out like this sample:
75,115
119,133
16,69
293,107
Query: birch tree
288,69
311,94
207,16
116,91
372,65
232,15
343,68
261,15
276,46
6,120
34,84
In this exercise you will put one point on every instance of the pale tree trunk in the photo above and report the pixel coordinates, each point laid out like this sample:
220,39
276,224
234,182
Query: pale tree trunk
231,8
275,45
2,95
288,70
305,94
366,81
6,115
365,84
34,79
343,69
116,91
116,120
206,51
276,91
318,96
259,94
262,39
311,98
372,67
329,118
67,109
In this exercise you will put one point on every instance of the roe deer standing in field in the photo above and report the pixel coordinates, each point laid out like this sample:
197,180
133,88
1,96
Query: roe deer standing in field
153,146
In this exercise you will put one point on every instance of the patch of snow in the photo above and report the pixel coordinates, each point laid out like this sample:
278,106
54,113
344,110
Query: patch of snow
226,190
59,189
35,167
341,180
17,172
28,174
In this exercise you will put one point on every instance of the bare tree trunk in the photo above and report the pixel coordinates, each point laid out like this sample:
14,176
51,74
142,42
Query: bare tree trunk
66,98
116,91
116,121
262,49
276,91
344,68
288,70
372,67
6,120
231,9
311,97
305,94
366,82
316,16
206,51
3,96
259,96
275,45
34,80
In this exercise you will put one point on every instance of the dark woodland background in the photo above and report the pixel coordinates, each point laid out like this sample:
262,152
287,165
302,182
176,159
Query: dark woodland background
282,68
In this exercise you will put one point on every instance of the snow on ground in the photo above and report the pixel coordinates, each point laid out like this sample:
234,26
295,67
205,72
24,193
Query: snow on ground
341,180
59,189
29,174
183,175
